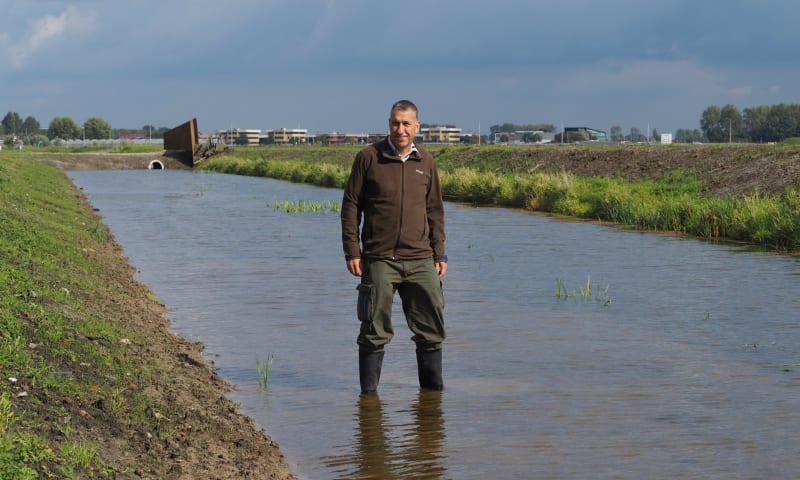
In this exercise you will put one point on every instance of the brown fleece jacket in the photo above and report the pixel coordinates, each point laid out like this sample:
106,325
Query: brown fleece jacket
400,202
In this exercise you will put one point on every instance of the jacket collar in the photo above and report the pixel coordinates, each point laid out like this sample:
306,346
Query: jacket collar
387,149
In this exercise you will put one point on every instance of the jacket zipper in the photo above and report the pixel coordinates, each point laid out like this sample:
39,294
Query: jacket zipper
402,205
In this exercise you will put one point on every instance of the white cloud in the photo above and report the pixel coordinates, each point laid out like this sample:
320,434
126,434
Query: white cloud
47,31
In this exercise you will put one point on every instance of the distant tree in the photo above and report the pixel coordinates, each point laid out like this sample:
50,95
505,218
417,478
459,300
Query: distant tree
781,123
655,137
31,126
636,135
755,122
38,140
147,131
711,124
687,135
615,133
732,122
64,128
96,128
529,137
722,125
471,139
12,123
578,136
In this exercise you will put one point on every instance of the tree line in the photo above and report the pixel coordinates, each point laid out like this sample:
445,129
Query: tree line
17,131
764,123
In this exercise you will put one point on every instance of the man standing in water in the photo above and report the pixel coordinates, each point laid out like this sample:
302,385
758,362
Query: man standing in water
395,187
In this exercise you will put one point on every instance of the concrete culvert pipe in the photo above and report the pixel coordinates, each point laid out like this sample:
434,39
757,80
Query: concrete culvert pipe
156,165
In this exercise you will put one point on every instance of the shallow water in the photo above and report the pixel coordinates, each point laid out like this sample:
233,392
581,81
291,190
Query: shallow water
681,363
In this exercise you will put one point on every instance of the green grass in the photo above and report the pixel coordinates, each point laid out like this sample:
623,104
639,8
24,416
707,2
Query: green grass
66,354
156,146
494,176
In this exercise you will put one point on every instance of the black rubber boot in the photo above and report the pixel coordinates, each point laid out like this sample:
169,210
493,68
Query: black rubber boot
369,370
429,368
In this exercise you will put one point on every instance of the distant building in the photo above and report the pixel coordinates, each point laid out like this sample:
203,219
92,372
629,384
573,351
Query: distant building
335,138
440,134
521,137
666,138
594,135
287,136
130,136
236,136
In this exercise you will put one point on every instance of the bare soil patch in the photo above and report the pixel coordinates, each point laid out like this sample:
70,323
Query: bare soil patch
726,170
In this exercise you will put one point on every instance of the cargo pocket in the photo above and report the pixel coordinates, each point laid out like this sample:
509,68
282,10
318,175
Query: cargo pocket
366,302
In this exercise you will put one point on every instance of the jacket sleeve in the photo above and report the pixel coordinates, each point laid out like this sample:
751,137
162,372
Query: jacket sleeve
352,209
435,207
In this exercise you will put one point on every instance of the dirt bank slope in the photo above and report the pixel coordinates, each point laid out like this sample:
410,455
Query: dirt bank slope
107,161
92,357
725,169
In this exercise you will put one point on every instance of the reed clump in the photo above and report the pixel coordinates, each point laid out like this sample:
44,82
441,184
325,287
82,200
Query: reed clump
307,206
264,368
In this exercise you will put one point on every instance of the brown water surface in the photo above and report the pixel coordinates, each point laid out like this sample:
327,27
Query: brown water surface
682,361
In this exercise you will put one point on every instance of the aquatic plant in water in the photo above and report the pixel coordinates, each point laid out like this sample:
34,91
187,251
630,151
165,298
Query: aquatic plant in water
307,206
264,368
585,292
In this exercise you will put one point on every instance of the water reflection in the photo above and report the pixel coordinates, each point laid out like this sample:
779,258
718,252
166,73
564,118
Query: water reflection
385,451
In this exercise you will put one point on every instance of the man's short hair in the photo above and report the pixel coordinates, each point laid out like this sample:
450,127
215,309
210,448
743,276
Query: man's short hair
404,105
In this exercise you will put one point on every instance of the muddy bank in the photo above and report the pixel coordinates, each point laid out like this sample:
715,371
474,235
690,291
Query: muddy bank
111,161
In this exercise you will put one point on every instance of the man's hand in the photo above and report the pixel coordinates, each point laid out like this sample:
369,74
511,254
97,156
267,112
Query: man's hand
354,266
441,268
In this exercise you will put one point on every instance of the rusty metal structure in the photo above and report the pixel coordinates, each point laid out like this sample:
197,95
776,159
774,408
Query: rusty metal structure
183,142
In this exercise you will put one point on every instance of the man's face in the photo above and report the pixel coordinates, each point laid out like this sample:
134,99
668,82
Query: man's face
403,125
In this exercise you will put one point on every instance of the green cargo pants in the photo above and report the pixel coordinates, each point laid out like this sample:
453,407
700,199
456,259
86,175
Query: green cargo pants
423,303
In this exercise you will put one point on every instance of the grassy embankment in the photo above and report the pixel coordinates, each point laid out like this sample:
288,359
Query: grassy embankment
157,146
92,383
670,201
50,283
47,238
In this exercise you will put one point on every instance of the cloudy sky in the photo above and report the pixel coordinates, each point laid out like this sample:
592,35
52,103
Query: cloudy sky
337,65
